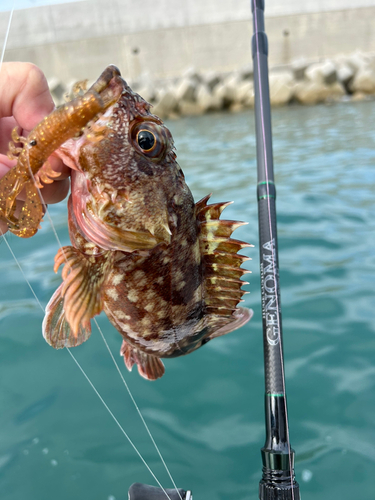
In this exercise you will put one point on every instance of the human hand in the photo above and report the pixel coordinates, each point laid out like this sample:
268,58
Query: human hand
25,100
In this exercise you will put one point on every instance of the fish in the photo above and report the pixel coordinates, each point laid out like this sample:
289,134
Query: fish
164,269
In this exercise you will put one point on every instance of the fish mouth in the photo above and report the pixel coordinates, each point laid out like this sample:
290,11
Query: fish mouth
100,232
89,216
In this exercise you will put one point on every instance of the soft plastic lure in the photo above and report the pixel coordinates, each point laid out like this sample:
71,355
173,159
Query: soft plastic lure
32,166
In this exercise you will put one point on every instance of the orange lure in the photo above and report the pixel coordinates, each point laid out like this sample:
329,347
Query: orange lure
32,166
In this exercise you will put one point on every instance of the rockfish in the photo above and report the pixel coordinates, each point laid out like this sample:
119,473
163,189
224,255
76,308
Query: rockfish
164,269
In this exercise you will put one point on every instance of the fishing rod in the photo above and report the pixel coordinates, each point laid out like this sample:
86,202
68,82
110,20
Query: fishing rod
278,481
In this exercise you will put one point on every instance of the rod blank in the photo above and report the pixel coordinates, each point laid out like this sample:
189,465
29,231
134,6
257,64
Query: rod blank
278,481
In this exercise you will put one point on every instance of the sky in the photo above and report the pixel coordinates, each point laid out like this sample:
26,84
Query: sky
24,4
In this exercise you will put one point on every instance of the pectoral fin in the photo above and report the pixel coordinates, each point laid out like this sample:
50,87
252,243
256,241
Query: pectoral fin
83,277
149,367
56,329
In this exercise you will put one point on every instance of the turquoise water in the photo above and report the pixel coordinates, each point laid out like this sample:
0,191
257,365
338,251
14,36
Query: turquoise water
58,442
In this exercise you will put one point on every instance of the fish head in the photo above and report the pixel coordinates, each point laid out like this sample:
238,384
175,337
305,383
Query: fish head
125,174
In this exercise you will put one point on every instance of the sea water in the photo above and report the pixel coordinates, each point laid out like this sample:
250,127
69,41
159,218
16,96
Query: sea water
58,442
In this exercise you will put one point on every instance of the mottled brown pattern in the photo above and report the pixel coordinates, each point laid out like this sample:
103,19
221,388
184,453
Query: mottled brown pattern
163,268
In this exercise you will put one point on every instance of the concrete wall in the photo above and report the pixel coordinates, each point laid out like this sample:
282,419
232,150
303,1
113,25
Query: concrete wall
77,40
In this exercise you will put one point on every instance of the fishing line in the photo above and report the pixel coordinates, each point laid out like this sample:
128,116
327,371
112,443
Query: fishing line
7,34
137,408
88,379
118,423
95,321
272,237
20,268
107,346
105,342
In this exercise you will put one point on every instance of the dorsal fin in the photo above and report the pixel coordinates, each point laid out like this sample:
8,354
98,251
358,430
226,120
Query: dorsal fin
221,261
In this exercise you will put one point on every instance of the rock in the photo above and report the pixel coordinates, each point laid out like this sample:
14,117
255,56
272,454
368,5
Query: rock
227,90
299,67
359,97
192,74
166,103
344,74
148,92
220,92
281,87
308,92
190,108
324,72
364,81
235,91
245,93
211,79
146,87
336,92
141,81
207,100
236,107
313,74
185,90
358,61
246,72
329,72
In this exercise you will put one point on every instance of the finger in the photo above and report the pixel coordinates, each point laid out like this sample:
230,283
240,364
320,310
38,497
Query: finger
3,227
6,127
24,94
55,192
59,166
56,163
5,165
51,193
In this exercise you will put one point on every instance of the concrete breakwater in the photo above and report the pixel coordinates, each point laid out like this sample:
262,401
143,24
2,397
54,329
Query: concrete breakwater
346,77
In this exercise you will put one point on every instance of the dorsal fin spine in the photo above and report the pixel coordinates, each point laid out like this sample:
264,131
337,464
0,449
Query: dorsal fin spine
222,290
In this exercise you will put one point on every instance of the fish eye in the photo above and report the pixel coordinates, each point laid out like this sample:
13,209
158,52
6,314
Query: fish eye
32,143
146,140
150,139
